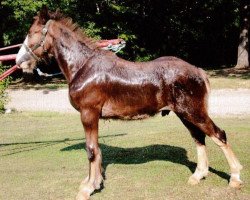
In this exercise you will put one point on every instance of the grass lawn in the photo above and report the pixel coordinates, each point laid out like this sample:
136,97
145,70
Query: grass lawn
229,78
42,156
229,83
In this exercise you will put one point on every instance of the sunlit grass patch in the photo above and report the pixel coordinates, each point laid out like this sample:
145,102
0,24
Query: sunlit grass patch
42,155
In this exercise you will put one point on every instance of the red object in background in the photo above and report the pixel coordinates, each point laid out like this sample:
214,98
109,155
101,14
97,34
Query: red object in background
8,57
10,47
8,72
100,43
12,69
105,43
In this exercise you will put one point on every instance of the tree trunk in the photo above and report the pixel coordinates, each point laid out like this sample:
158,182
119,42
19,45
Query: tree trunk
243,48
1,25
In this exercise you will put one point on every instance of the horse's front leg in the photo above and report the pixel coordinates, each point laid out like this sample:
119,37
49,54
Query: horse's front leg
90,118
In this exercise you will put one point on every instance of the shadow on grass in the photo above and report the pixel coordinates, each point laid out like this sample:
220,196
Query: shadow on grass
139,155
231,73
115,155
15,148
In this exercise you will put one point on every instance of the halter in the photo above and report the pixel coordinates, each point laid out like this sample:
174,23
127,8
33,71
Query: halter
40,44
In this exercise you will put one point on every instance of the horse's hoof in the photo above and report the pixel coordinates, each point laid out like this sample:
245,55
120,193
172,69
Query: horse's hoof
193,181
235,184
85,191
82,196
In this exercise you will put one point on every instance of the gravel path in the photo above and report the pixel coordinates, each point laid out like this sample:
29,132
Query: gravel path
225,102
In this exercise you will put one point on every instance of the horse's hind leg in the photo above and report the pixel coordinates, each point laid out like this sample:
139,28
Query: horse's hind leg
201,170
233,162
206,125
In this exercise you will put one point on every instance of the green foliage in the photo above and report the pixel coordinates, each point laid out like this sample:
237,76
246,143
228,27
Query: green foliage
18,15
3,86
91,30
203,32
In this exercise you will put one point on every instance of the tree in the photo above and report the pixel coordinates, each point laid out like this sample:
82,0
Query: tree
204,33
243,48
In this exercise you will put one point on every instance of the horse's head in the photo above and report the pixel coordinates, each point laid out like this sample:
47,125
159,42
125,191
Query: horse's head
37,43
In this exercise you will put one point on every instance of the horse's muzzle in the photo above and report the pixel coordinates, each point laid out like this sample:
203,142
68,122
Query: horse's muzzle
24,58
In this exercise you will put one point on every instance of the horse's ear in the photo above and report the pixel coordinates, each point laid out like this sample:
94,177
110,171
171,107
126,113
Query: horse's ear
43,15
55,15
58,11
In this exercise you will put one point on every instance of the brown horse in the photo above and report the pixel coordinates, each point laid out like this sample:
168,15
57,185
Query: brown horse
102,85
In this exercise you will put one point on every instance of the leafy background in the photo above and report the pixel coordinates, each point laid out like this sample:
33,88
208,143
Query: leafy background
204,33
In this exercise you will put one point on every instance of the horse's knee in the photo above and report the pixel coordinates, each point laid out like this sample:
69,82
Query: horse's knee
90,152
93,152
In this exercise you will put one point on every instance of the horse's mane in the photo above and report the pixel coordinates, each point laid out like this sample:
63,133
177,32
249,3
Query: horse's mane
74,27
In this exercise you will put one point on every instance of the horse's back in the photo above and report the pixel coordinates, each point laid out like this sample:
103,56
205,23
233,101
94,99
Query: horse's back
135,89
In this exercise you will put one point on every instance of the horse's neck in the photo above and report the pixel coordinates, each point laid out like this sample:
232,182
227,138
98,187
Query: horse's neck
71,55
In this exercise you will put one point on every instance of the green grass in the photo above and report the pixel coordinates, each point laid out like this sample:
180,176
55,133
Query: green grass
229,83
229,78
42,156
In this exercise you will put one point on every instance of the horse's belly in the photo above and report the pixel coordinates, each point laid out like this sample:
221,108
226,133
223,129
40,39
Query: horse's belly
127,112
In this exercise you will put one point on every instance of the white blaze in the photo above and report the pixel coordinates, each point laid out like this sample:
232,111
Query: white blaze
22,51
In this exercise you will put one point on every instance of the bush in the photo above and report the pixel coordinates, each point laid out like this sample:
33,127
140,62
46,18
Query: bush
3,86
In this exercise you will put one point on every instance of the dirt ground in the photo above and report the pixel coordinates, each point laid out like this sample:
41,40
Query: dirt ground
224,102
